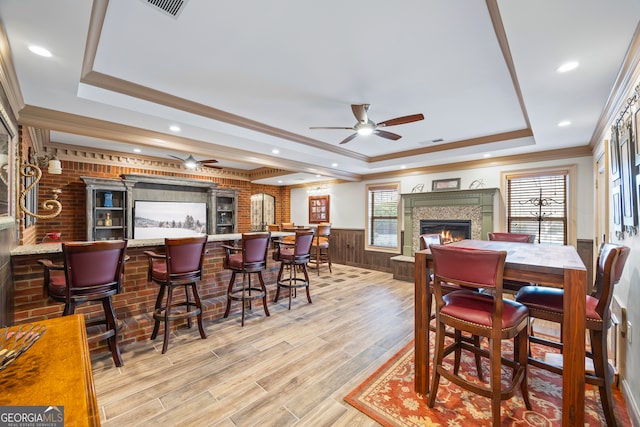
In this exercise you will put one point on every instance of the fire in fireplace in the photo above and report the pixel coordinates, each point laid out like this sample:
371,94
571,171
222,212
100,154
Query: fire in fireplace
451,230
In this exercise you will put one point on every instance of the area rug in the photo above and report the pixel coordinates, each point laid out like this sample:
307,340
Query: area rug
388,397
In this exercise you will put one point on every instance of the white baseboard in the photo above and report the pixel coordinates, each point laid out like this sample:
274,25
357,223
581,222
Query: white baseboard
632,405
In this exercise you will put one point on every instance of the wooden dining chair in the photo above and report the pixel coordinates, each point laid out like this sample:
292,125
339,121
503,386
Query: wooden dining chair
548,303
482,314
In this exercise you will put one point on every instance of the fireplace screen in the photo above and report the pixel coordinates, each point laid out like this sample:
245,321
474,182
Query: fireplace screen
451,230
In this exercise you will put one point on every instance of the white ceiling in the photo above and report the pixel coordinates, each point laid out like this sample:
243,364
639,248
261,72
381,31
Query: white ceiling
243,78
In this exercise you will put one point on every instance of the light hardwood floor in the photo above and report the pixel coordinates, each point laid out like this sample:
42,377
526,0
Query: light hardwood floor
292,368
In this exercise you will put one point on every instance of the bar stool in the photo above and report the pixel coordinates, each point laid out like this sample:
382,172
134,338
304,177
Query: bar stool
93,271
513,286
250,258
294,256
548,303
179,266
321,250
487,315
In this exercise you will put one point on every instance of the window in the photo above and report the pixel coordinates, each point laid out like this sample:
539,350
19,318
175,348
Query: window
537,204
382,217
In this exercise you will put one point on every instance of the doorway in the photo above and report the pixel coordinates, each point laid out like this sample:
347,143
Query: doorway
263,211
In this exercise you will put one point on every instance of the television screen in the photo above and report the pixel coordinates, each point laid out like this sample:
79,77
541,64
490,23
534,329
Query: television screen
154,219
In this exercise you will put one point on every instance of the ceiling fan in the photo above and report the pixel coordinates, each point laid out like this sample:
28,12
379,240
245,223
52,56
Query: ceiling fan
365,126
191,163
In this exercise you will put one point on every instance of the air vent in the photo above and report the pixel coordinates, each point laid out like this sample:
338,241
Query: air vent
170,7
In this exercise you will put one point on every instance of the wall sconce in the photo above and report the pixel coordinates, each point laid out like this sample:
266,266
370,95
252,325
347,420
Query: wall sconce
318,189
33,170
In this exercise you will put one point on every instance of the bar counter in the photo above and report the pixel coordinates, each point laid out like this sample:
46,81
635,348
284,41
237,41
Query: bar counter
134,304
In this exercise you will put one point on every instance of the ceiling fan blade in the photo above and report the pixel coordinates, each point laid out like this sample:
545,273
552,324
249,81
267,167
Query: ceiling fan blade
210,166
360,111
177,158
329,127
208,161
402,120
388,135
349,138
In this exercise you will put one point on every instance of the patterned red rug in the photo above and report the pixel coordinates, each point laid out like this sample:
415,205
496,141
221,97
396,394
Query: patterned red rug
388,397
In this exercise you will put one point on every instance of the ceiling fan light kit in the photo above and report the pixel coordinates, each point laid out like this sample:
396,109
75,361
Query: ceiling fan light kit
191,163
365,126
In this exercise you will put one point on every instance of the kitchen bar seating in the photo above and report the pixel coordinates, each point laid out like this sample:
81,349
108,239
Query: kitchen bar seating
480,314
179,266
93,271
248,259
294,256
547,303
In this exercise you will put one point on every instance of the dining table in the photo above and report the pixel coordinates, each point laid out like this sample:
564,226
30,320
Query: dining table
549,265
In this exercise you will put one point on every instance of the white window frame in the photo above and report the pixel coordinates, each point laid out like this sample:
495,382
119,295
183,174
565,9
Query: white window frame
571,172
368,225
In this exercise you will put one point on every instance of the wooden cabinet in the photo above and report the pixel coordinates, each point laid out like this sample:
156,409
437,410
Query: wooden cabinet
108,213
225,212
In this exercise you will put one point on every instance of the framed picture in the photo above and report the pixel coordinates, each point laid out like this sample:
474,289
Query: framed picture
614,154
616,207
627,177
445,184
634,136
318,209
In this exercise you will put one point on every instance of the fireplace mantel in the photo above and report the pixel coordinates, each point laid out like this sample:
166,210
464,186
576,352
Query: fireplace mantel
479,205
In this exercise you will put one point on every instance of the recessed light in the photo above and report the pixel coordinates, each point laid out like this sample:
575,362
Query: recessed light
334,165
279,181
567,66
487,155
564,123
40,51
403,166
275,151
318,176
137,150
174,128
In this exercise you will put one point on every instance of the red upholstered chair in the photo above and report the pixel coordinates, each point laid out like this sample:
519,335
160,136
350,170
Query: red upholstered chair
179,266
512,237
93,271
513,285
547,303
294,256
481,314
426,240
248,259
321,249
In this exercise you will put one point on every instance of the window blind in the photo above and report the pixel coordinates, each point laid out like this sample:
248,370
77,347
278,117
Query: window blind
383,216
538,205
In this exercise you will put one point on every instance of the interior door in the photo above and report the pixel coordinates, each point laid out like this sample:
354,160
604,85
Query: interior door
263,211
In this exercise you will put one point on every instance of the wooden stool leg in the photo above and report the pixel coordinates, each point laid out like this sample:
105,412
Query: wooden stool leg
196,297
157,308
229,289
165,344
112,324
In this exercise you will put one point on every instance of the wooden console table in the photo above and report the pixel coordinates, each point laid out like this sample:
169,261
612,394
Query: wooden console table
55,371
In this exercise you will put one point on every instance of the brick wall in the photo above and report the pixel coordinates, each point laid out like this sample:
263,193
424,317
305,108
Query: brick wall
72,224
